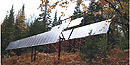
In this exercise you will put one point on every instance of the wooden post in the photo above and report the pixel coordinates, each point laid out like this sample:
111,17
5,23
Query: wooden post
60,41
18,53
32,54
9,53
69,45
108,36
49,48
35,54
74,46
84,18
80,44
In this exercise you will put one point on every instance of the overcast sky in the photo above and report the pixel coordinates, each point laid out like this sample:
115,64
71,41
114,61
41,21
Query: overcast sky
31,8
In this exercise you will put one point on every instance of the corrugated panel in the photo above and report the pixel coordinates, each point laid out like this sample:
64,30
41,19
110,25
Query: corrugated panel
40,39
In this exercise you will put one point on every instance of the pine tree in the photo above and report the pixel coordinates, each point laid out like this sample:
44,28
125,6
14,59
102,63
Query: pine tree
7,30
41,24
20,24
55,22
77,11
93,44
92,15
59,22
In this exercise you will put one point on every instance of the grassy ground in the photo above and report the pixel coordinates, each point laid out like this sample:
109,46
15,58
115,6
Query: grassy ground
115,57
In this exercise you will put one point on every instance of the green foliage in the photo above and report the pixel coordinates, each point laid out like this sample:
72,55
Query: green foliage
7,30
93,46
76,11
41,24
55,20
20,30
92,15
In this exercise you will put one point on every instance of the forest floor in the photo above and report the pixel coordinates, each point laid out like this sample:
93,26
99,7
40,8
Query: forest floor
115,57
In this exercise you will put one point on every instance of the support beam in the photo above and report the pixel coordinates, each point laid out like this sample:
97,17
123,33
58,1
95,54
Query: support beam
35,54
48,51
18,53
69,45
84,18
53,46
49,48
60,41
62,47
32,54
74,42
9,53
79,42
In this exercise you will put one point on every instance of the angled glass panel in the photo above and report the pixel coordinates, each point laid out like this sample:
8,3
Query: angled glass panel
66,34
40,39
92,29
64,24
12,45
75,22
55,27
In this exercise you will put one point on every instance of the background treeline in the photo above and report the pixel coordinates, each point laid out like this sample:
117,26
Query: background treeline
15,28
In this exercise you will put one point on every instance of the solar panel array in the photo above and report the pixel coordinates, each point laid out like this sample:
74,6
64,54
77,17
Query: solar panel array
68,24
40,39
75,22
92,29
53,35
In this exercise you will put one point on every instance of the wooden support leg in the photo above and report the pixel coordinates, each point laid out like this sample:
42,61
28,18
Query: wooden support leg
35,54
9,53
69,45
60,41
18,53
32,54
54,46
49,49
74,42
80,45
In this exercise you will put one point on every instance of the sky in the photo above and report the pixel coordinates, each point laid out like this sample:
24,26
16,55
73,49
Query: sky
31,11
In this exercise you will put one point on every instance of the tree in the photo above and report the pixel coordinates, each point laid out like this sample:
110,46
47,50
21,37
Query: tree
55,22
41,24
77,11
20,29
7,30
93,13
117,10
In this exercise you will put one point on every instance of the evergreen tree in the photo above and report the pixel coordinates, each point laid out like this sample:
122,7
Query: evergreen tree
7,30
117,36
92,15
59,22
20,30
55,22
77,11
41,24
93,44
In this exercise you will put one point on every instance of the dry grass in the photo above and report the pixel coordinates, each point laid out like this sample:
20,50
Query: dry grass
116,57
